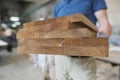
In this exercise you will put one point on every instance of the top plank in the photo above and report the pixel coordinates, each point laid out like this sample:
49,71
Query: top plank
68,20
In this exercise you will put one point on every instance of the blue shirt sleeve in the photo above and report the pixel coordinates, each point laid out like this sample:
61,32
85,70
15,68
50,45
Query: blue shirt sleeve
54,11
98,5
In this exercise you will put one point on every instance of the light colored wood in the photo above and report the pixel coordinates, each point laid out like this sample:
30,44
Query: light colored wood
84,42
72,47
86,51
29,35
65,42
35,23
63,22
41,42
73,33
40,50
81,18
69,51
41,28
58,25
62,36
48,27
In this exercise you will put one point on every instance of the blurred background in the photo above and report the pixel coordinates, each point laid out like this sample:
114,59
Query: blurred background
13,66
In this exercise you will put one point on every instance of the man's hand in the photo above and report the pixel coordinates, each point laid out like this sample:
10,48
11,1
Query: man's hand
104,25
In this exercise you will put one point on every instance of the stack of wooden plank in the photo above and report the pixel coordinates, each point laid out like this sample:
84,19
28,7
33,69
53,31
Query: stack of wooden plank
72,35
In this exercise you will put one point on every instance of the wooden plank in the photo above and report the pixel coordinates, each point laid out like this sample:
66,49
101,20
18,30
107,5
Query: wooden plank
80,25
27,24
84,42
41,42
65,42
40,50
73,33
86,51
69,51
49,27
72,47
29,35
81,18
47,21
41,28
56,26
63,22
35,23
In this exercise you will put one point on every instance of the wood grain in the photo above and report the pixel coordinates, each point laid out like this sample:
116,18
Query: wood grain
35,23
65,46
41,42
73,33
83,42
29,35
62,22
81,18
69,51
48,27
40,50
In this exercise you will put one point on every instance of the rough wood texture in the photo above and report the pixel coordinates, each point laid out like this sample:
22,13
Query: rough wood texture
63,22
85,42
66,46
70,51
49,27
40,50
31,35
73,33
41,42
35,23
81,18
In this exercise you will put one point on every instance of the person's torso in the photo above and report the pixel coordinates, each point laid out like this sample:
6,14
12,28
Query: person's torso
67,7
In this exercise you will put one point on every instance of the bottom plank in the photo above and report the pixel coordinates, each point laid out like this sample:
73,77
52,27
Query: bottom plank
70,51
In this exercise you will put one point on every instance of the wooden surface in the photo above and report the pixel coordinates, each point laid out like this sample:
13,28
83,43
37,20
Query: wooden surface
91,42
66,46
70,51
81,18
63,22
49,27
73,33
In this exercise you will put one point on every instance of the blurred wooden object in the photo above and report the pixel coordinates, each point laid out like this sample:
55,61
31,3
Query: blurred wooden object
72,35
65,46
61,23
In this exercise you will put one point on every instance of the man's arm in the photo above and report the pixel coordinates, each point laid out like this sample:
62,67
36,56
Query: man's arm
104,25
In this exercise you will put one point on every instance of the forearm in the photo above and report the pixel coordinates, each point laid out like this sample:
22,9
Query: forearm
104,25
105,28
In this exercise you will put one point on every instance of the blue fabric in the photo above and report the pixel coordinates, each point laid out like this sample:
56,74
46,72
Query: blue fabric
86,7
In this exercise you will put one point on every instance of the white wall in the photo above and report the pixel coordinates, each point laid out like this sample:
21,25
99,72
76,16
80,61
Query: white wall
45,12
114,14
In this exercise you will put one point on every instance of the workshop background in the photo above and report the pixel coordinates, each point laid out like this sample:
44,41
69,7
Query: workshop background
14,66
